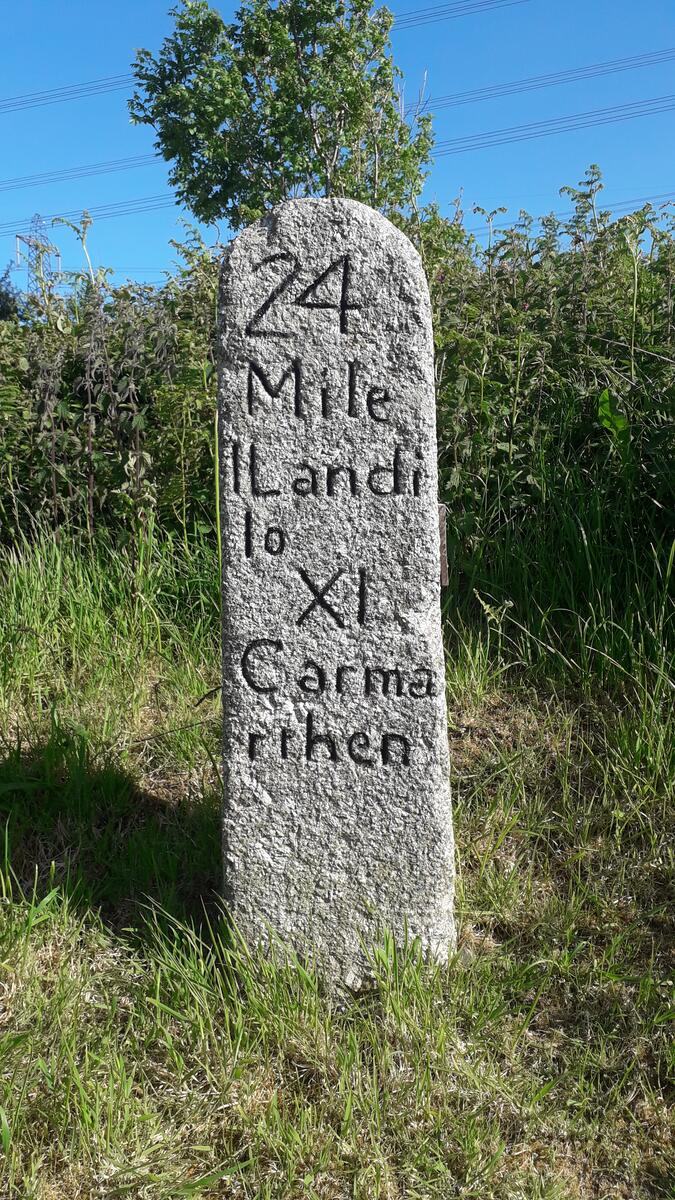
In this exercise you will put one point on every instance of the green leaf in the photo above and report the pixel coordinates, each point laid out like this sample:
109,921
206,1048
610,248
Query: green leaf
5,1131
610,417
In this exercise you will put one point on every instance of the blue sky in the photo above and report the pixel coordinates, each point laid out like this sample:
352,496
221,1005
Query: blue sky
48,45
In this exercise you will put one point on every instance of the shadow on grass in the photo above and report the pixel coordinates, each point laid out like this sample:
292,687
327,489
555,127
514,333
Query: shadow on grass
88,828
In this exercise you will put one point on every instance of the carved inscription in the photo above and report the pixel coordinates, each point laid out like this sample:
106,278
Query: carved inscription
252,474
309,297
333,665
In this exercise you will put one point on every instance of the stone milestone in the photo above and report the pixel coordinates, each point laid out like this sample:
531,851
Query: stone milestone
337,820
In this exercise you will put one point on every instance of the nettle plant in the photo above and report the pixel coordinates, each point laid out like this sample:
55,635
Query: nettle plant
555,367
555,381
93,376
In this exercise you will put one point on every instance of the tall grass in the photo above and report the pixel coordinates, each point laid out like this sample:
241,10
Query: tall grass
102,636
145,1052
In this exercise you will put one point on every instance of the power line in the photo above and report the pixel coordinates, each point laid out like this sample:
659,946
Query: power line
101,212
163,201
496,137
116,270
614,207
649,58
116,83
73,91
475,95
573,121
102,168
534,82
449,12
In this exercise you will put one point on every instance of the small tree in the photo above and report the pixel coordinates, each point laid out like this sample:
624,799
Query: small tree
296,98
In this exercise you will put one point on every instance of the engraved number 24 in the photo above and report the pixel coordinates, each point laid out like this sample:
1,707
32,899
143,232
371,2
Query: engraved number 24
307,298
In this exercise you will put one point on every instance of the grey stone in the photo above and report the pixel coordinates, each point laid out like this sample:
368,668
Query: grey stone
337,816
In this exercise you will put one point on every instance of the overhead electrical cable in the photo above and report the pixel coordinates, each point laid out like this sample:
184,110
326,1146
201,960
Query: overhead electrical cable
538,129
116,83
73,91
163,201
650,58
100,212
474,95
556,78
485,140
449,12
619,206
102,168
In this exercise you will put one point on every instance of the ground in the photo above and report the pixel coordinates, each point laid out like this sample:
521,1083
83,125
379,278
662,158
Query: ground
145,1053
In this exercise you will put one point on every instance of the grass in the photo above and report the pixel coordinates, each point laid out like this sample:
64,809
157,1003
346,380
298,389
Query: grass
145,1053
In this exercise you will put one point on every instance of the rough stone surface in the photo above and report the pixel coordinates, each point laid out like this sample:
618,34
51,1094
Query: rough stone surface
337,809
